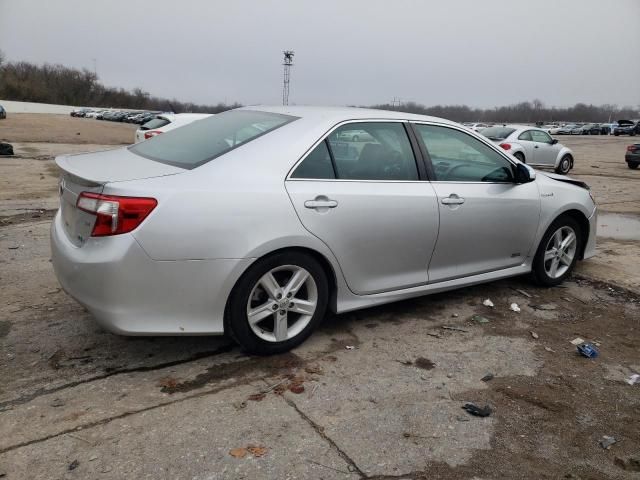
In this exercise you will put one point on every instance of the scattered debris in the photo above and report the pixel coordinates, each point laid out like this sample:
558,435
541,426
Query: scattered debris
606,441
57,403
633,379
488,377
480,319
454,315
577,341
14,247
350,347
256,451
522,292
313,390
534,335
406,363
257,397
238,452
93,458
314,369
437,335
424,363
167,383
514,306
488,303
549,349
588,350
6,148
457,329
296,388
477,411
545,306
73,465
462,418
239,405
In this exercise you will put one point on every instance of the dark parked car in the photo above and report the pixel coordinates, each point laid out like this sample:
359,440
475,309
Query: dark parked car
632,157
3,113
627,127
591,129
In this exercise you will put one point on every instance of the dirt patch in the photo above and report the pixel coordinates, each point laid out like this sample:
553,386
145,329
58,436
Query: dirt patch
5,327
42,127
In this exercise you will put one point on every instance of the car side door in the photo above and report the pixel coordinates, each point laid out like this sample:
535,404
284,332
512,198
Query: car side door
546,150
488,221
368,201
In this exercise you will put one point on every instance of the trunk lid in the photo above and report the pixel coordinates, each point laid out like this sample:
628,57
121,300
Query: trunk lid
90,172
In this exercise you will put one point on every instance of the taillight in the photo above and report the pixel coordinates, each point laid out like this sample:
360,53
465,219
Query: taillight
632,148
115,214
151,133
506,146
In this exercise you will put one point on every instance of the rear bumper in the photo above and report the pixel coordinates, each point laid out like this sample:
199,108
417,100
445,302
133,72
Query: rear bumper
590,247
129,293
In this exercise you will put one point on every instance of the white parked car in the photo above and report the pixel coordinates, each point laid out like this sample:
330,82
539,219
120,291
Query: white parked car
166,121
532,146
476,127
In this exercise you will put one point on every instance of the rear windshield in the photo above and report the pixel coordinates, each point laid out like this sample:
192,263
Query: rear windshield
497,133
157,122
203,140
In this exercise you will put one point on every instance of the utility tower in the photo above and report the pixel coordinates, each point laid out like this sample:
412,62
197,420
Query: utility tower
288,63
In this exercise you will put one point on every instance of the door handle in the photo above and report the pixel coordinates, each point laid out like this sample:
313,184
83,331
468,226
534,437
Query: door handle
321,203
452,199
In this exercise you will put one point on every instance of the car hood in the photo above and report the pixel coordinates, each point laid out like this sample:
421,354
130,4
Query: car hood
624,123
114,166
564,179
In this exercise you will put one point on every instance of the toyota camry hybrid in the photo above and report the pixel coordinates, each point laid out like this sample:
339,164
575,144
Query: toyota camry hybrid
256,221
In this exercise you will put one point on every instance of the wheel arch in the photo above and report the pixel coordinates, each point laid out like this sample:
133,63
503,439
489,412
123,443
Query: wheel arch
583,222
324,262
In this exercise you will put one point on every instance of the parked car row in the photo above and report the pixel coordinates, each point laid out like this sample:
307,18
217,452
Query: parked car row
621,127
164,122
136,117
3,113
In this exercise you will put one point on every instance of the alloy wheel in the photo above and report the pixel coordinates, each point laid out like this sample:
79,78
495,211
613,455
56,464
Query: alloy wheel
560,252
282,303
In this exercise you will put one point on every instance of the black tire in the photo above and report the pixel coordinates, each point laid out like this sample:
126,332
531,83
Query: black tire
616,134
236,321
520,157
566,163
539,274
632,166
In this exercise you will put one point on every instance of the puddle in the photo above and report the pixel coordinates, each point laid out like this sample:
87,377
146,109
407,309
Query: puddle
621,227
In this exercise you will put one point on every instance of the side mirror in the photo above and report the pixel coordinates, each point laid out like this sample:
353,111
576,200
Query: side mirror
524,173
554,141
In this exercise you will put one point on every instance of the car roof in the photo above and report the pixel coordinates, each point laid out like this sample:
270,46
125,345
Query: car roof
338,114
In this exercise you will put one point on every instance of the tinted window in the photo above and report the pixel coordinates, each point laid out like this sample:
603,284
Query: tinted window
539,136
155,123
459,157
316,165
497,133
373,151
525,136
203,140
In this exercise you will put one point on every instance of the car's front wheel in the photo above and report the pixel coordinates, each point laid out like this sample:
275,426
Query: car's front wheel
519,156
633,166
277,303
558,252
564,166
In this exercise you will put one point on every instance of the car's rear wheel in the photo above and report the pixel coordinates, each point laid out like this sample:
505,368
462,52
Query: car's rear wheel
565,165
632,166
519,156
558,252
277,303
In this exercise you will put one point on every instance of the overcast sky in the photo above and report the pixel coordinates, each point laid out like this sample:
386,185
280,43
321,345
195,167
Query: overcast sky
480,53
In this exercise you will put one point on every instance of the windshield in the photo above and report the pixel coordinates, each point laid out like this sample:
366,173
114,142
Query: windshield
497,133
203,140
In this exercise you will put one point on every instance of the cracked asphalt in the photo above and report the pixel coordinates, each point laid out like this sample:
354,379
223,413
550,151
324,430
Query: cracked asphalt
373,394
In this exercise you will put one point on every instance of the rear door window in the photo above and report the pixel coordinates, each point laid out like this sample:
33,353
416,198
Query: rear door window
200,142
372,151
316,165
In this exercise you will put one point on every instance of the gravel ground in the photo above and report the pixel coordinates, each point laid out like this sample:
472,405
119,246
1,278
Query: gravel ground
373,394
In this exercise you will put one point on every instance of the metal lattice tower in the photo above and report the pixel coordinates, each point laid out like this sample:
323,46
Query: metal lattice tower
288,63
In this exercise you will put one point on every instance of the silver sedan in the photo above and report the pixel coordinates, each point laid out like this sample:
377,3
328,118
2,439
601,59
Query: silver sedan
256,221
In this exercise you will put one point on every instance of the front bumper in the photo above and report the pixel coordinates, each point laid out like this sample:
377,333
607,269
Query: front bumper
130,293
590,247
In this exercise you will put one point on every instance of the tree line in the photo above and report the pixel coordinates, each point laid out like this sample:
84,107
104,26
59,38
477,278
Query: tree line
57,84
524,112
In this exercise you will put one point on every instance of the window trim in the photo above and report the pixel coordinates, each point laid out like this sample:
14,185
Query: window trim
427,157
417,154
